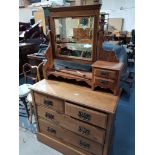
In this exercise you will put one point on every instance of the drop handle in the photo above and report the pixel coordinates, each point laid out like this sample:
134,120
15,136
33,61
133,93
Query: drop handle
104,82
84,116
51,130
48,102
83,130
49,116
84,144
104,73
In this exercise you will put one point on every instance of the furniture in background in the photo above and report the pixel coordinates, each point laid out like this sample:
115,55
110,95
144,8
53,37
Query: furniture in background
104,21
30,43
115,24
121,55
131,49
30,72
81,2
74,119
24,50
36,74
39,56
23,93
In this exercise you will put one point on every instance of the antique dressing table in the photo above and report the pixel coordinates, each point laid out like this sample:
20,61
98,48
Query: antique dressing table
75,119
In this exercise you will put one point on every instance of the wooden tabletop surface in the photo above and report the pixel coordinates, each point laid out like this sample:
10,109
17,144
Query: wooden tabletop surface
81,95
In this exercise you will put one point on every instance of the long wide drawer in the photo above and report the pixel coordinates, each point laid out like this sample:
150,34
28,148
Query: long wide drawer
70,137
89,131
60,145
49,101
105,73
86,115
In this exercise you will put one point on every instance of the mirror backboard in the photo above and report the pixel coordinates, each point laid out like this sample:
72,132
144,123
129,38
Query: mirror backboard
74,37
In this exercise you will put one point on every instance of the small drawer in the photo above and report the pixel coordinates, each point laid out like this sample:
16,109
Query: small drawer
104,83
105,73
86,115
69,137
48,114
79,127
50,102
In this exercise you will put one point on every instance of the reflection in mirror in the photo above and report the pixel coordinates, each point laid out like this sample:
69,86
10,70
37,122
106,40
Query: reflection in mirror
74,37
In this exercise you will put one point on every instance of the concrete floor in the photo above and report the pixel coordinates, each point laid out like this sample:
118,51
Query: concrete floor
29,145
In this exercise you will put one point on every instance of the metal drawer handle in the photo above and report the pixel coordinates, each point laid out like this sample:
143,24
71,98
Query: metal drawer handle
84,131
49,116
104,82
84,116
48,102
51,130
84,144
104,73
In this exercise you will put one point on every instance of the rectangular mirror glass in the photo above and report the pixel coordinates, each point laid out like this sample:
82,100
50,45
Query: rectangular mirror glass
74,37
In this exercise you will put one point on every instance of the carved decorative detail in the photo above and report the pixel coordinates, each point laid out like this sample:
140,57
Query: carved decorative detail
69,76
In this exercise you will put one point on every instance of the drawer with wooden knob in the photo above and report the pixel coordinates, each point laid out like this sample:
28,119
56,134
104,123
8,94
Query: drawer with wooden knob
86,115
81,128
69,137
105,73
104,83
50,102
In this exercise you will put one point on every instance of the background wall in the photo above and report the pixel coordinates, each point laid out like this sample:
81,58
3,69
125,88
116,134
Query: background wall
25,14
121,9
117,9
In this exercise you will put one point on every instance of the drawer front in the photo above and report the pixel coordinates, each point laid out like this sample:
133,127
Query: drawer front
86,115
91,132
105,73
104,83
51,130
50,102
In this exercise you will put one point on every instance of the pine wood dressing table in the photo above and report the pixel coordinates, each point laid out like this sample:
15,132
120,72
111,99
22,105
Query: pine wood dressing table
73,119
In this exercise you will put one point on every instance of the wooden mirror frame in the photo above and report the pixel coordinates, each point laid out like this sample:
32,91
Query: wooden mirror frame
49,69
75,11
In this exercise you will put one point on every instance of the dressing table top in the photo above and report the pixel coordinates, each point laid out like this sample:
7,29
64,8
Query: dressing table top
81,95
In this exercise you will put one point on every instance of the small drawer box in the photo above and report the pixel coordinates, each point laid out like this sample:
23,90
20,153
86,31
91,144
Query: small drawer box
105,73
86,115
50,102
